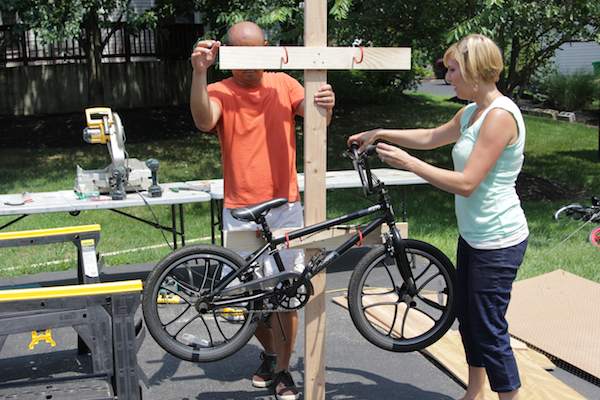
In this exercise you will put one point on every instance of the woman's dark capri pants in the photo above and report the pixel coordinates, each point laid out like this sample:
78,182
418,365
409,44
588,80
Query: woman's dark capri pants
484,282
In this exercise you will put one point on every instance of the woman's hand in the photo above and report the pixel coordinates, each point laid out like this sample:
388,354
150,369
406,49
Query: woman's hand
364,138
394,156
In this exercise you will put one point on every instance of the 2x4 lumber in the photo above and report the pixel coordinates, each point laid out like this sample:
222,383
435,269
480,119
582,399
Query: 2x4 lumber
328,239
315,167
314,58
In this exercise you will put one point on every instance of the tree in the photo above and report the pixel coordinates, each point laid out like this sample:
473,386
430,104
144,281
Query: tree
282,19
56,20
419,24
529,32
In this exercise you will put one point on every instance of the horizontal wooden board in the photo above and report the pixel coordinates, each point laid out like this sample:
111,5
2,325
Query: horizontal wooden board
314,58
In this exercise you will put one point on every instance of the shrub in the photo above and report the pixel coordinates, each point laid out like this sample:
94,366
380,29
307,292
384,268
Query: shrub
571,92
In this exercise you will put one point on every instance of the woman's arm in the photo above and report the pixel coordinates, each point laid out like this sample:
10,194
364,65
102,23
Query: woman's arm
421,139
497,131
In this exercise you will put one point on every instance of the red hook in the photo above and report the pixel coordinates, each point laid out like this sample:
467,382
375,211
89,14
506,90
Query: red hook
285,60
362,55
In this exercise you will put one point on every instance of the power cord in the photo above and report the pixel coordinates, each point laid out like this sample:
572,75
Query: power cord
156,221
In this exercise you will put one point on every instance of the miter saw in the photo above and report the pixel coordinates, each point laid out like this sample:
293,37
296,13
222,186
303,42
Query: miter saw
123,174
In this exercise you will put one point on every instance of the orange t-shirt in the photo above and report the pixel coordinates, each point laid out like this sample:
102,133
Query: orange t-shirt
257,136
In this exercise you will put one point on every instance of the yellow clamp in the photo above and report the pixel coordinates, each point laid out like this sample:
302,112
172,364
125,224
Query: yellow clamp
38,336
233,314
168,298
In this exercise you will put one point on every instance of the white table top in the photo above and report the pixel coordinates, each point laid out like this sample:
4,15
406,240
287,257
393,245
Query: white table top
65,200
336,180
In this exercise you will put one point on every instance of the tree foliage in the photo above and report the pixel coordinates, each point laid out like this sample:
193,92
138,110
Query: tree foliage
529,32
419,24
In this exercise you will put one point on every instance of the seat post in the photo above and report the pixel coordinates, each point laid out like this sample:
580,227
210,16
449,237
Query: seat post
265,228
268,237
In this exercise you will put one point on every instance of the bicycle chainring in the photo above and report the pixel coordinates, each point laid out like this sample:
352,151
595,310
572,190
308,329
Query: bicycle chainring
293,294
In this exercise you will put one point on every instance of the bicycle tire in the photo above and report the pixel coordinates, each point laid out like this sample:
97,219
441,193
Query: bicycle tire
169,276
378,328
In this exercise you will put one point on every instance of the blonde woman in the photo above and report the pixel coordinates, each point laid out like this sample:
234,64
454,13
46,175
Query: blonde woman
489,138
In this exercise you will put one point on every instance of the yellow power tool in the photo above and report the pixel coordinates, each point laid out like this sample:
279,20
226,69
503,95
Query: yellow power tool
123,174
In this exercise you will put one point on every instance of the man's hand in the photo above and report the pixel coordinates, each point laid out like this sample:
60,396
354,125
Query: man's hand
324,97
204,54
363,139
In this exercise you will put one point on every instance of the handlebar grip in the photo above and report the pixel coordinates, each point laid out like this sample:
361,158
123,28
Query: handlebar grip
370,150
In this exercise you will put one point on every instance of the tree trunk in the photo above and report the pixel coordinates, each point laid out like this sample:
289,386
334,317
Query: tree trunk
93,53
513,75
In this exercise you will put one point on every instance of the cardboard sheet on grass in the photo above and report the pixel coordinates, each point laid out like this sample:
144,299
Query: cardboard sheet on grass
538,384
558,312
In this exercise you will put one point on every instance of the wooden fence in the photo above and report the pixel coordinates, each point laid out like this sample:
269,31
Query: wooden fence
173,41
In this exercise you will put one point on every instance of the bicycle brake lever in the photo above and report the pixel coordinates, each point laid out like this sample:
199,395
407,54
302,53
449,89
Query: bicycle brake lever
370,150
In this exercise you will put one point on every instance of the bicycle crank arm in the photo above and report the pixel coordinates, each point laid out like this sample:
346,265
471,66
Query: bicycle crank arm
266,283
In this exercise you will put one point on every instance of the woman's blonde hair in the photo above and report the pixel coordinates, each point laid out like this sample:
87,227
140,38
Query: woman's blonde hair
478,58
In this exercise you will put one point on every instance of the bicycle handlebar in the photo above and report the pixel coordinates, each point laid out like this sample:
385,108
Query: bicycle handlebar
360,160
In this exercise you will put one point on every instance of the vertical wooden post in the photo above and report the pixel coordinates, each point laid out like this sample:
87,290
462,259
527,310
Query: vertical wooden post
315,166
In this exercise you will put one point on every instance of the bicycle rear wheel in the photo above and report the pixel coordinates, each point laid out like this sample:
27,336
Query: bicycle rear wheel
381,308
173,312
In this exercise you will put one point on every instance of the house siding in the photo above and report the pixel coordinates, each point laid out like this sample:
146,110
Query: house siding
142,5
576,56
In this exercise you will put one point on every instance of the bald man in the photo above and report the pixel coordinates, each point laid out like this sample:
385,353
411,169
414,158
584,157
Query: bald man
253,114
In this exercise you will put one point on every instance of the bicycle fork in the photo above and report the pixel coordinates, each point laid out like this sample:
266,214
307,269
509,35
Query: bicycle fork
399,253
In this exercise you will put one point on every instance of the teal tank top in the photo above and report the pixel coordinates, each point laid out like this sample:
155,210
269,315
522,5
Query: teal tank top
491,217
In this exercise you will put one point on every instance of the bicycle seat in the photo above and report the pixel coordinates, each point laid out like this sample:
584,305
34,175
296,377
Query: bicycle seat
251,213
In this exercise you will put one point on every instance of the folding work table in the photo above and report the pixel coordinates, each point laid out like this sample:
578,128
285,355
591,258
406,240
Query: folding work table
67,201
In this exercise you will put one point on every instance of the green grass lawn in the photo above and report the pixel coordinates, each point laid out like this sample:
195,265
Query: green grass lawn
559,153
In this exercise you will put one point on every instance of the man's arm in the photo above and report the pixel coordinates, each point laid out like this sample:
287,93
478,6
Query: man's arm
324,98
205,112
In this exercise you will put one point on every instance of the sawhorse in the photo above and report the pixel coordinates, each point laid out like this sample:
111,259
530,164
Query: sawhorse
84,237
102,314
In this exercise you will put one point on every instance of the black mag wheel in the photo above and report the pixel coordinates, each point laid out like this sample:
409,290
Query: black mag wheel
386,315
178,319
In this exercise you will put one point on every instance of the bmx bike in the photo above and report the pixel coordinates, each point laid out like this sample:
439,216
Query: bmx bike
588,214
205,285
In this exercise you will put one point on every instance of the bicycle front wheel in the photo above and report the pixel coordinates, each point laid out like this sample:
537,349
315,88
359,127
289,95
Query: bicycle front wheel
178,319
383,311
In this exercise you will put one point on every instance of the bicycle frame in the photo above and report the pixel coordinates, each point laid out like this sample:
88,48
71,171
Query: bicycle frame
384,208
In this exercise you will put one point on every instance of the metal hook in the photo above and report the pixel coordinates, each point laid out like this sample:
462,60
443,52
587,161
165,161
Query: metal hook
285,60
362,55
